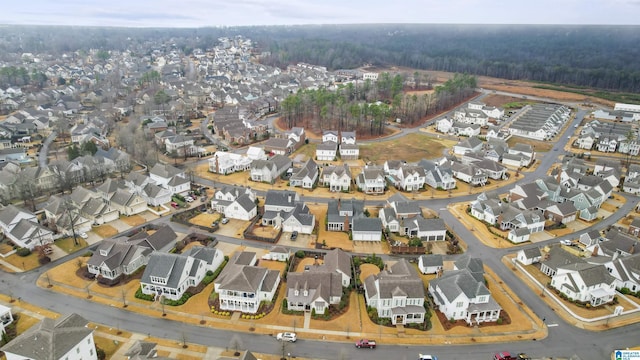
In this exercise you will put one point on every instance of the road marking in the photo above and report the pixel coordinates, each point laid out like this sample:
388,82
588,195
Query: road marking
552,325
443,209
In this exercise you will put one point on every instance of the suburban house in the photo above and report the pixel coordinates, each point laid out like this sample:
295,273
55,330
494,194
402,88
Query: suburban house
469,173
462,293
626,271
337,178
283,209
6,318
437,176
242,286
125,255
43,341
371,180
539,121
224,162
529,256
430,264
585,283
320,285
366,229
305,177
327,151
235,202
63,215
405,177
478,113
170,275
471,144
269,170
170,178
340,213
397,293
127,203
424,229
23,229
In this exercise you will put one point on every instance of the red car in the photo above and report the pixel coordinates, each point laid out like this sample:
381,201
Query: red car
503,355
174,204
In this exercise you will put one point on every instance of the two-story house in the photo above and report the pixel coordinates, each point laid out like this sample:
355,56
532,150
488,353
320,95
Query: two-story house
241,285
371,180
397,294
337,178
170,275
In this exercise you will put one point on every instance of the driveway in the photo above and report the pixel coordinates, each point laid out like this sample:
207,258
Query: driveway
120,225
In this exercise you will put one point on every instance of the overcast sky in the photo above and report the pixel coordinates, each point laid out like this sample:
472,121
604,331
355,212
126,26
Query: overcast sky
205,13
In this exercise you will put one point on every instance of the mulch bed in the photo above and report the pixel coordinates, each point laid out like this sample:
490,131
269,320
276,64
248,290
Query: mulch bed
448,325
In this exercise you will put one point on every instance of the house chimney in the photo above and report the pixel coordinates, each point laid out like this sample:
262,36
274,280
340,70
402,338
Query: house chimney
633,249
595,251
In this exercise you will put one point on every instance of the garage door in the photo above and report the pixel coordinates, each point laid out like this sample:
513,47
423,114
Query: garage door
365,236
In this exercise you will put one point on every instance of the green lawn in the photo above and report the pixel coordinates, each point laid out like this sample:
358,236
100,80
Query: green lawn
67,245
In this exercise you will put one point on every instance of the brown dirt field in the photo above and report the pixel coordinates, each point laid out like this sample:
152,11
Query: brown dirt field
133,220
308,150
538,146
5,248
412,147
627,220
367,270
105,231
499,100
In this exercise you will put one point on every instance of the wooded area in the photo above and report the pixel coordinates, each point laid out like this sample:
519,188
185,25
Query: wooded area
593,56
367,107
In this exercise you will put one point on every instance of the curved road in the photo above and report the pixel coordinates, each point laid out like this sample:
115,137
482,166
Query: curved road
587,345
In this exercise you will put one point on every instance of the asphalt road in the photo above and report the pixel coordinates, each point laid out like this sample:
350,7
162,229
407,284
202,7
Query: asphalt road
44,150
564,340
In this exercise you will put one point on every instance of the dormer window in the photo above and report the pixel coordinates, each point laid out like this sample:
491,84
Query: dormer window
104,252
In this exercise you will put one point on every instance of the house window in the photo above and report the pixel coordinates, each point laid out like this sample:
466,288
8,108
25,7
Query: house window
459,304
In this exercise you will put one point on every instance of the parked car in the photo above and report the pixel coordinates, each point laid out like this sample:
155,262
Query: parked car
215,223
503,355
294,235
84,235
426,357
174,204
188,199
225,220
566,242
523,356
287,336
364,343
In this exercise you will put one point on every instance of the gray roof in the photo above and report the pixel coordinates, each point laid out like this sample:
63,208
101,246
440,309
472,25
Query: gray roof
166,266
454,283
531,253
431,260
318,284
50,339
559,258
366,224
165,171
407,207
401,279
596,275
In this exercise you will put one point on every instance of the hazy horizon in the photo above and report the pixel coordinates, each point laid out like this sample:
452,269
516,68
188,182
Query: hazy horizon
214,13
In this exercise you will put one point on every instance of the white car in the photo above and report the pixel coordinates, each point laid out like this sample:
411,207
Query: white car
566,242
426,357
224,220
84,235
287,336
188,199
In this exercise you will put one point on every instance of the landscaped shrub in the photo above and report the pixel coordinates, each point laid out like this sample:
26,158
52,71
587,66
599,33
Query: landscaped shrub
178,302
300,254
143,296
23,252
87,254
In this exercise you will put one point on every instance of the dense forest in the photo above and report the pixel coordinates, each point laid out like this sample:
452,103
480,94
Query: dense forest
603,57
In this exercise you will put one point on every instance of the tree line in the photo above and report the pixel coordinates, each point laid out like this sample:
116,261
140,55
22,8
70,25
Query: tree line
368,106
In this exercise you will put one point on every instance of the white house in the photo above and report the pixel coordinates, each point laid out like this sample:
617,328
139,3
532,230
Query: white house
366,229
458,294
586,283
224,162
6,318
327,151
371,180
22,228
241,285
529,256
42,341
397,294
337,178
170,275
430,264
305,177
444,125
